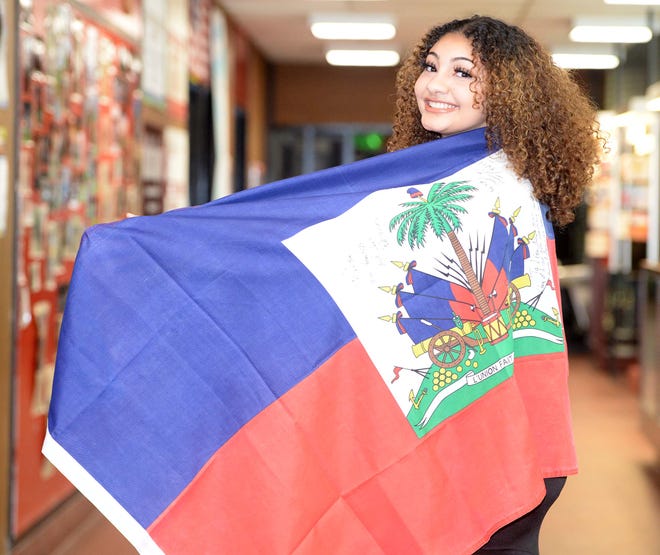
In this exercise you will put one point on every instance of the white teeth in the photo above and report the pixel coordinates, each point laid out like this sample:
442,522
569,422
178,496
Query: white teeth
440,105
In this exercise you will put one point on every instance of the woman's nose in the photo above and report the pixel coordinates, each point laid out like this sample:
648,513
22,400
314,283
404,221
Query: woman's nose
437,83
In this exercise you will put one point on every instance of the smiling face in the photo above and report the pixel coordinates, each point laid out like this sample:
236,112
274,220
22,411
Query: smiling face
444,98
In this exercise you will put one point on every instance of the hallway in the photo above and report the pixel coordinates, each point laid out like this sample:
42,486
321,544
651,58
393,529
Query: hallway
613,505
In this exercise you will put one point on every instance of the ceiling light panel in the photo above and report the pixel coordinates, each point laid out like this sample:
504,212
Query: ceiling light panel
634,2
372,58
352,27
612,30
572,60
611,33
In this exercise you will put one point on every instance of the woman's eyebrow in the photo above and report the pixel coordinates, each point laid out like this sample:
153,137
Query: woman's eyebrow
456,59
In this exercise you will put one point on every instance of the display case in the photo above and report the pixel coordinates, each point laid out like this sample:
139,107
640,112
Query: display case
649,289
649,351
620,233
77,166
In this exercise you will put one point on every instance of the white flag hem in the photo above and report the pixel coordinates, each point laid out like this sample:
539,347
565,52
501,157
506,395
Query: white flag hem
104,502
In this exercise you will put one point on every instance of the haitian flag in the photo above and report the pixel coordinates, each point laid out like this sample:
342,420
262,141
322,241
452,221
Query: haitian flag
365,359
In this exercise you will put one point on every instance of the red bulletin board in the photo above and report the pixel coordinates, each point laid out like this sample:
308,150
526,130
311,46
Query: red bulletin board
78,165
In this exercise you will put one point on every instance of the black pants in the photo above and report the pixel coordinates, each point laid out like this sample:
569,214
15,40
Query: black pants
521,537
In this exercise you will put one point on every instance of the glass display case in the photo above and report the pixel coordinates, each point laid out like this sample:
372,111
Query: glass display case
621,230
649,350
649,288
77,166
296,150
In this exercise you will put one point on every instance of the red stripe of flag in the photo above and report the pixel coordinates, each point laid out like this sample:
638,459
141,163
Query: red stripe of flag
333,465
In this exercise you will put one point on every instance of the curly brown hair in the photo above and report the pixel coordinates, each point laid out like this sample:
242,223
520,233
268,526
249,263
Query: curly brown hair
534,111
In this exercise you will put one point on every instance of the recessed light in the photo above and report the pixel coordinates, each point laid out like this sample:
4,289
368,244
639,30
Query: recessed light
571,60
352,27
381,58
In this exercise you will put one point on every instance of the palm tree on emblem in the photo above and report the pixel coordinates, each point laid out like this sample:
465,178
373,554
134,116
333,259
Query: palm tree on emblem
441,212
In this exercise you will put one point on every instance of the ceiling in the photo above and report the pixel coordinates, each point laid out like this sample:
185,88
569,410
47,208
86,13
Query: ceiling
280,30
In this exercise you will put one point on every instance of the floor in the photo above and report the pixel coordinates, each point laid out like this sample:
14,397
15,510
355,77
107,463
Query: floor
612,507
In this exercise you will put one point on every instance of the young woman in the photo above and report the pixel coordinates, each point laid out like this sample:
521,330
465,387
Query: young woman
481,72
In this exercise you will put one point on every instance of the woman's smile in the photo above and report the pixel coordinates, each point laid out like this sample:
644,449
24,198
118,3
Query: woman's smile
440,106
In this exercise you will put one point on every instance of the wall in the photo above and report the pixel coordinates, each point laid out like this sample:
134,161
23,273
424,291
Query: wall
302,94
307,94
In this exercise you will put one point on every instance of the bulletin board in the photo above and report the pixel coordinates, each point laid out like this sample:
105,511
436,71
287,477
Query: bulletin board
78,103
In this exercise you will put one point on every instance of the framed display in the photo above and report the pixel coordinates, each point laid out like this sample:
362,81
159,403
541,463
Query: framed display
78,166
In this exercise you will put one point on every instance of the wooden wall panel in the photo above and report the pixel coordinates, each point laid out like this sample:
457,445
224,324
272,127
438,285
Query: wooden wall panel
257,122
303,94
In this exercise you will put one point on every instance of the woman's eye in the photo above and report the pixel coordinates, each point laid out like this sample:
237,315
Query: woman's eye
463,73
428,67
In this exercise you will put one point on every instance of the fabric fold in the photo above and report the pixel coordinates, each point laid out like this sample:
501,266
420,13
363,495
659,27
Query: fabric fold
320,357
